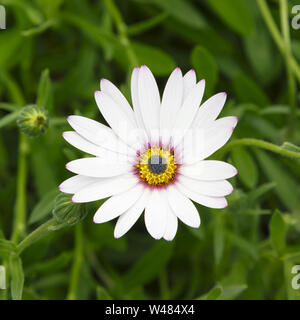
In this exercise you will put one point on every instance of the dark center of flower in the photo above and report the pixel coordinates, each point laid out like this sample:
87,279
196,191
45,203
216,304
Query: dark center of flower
157,164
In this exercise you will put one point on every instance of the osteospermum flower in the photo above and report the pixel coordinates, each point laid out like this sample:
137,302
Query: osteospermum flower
151,158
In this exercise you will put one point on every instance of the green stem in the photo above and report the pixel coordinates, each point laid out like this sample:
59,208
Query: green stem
78,255
9,106
122,31
20,209
9,118
146,25
36,234
270,23
12,88
260,144
290,77
276,35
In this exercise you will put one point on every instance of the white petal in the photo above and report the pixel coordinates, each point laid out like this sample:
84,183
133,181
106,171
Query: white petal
209,188
109,88
129,218
155,214
230,121
210,202
124,128
84,145
210,110
149,101
183,207
215,140
187,112
99,167
106,187
204,142
118,204
76,183
135,98
171,103
209,170
172,224
98,134
189,81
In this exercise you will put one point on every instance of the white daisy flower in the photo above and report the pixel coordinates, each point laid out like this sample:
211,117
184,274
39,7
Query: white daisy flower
151,159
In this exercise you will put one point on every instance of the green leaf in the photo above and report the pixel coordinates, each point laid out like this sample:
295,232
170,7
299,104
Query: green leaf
278,232
10,42
244,245
8,119
265,60
43,173
260,191
12,87
263,127
17,277
32,13
8,106
256,212
294,257
206,67
7,246
212,294
183,11
246,166
227,66
44,89
286,186
234,13
102,294
209,38
50,7
52,281
51,265
156,59
43,207
248,91
146,25
102,38
148,266
276,109
231,292
39,29
296,48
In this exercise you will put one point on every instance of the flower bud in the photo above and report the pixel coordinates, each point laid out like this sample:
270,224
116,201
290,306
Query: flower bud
33,120
66,212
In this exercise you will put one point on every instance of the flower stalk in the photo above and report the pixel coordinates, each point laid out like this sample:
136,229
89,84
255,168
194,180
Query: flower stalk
260,144
122,31
263,7
36,234
78,255
20,209
288,54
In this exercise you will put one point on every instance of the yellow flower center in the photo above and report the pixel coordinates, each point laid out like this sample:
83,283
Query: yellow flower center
156,166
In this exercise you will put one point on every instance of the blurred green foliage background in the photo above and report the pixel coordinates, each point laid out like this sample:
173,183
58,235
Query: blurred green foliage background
53,54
